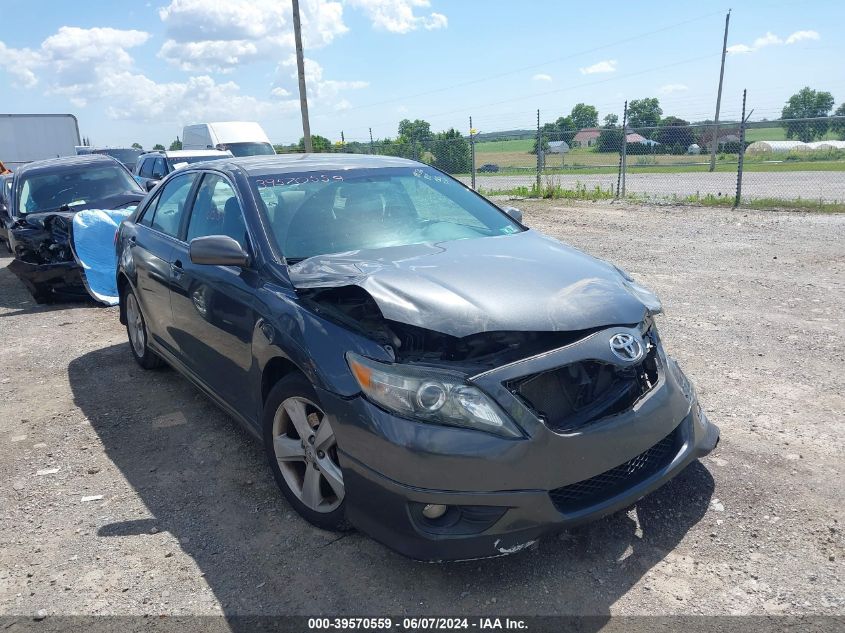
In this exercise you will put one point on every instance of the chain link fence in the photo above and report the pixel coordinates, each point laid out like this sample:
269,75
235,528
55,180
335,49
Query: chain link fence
797,163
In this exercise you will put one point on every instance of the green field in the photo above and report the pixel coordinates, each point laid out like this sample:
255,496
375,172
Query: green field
515,157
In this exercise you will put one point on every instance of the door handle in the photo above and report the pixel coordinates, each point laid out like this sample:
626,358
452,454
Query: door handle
176,269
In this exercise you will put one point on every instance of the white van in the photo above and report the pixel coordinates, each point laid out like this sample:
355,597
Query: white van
242,138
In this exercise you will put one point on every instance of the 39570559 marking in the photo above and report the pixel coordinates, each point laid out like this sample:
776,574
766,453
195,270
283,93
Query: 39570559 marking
349,624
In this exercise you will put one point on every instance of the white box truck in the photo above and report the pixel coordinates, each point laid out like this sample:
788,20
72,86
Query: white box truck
28,137
242,138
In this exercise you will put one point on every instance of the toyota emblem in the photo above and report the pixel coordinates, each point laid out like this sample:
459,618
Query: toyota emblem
626,347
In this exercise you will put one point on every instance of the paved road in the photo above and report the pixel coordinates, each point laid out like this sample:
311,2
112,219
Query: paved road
825,185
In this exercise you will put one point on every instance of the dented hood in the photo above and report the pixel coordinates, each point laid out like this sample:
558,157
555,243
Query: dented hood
521,282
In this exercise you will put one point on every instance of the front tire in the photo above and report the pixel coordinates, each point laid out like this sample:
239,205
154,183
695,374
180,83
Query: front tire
302,451
136,330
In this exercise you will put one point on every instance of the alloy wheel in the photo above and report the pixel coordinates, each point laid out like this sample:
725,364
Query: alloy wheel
306,451
135,325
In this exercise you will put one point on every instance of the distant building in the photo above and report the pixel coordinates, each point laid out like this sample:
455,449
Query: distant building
557,147
586,137
633,137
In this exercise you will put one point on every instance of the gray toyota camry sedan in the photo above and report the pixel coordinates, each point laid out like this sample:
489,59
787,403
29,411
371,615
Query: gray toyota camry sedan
417,362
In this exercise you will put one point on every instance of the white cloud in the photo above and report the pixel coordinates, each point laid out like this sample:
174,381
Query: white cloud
399,16
322,90
542,77
737,49
214,36
800,36
95,65
606,66
74,60
770,39
671,88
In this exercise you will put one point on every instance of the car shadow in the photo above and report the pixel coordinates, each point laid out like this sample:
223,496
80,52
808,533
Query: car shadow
205,481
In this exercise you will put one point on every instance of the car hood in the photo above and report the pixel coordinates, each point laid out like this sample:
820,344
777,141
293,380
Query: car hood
521,282
116,201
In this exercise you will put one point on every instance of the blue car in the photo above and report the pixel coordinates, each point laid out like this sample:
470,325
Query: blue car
416,361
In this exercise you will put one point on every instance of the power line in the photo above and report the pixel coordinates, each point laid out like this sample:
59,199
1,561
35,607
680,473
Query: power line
533,66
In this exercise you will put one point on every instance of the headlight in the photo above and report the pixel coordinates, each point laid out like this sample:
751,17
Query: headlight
439,397
643,294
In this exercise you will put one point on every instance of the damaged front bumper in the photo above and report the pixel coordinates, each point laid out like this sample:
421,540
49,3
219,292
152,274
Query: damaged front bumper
502,494
62,280
44,259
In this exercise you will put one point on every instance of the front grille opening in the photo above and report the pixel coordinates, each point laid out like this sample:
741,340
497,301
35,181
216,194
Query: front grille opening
610,483
575,395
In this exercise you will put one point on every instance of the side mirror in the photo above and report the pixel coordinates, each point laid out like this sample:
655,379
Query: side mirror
515,213
217,250
4,210
150,184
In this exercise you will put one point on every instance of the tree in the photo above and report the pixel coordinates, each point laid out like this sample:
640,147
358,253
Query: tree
611,120
675,132
644,113
137,146
320,144
584,115
544,144
176,145
417,131
609,140
807,104
451,152
159,147
838,126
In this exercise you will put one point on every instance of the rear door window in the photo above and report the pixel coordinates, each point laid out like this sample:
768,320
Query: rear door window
147,168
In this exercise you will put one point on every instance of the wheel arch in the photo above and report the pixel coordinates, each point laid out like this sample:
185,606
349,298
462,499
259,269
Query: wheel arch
122,284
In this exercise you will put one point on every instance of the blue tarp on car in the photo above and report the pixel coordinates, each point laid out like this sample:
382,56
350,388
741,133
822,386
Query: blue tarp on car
93,246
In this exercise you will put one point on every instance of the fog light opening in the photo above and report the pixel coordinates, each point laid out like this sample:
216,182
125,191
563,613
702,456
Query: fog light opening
434,511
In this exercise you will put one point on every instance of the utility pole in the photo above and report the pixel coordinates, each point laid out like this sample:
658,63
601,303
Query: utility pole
371,141
719,95
300,69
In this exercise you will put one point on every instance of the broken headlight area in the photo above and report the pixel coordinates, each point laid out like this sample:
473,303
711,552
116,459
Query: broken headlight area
44,260
429,395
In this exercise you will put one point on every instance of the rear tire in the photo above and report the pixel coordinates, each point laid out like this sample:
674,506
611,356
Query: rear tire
136,330
302,452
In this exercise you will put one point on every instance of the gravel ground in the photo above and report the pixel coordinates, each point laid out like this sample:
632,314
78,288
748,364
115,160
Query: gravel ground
128,492
813,185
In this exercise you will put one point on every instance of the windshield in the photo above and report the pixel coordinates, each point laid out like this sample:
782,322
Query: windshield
321,212
248,149
125,156
73,187
190,160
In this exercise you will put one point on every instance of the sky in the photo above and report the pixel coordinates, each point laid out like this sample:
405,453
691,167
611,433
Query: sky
137,71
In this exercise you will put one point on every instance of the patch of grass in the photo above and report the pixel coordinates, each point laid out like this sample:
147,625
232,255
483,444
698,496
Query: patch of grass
554,191
793,204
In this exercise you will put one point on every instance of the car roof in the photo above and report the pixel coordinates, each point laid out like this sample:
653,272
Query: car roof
295,163
64,162
179,153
